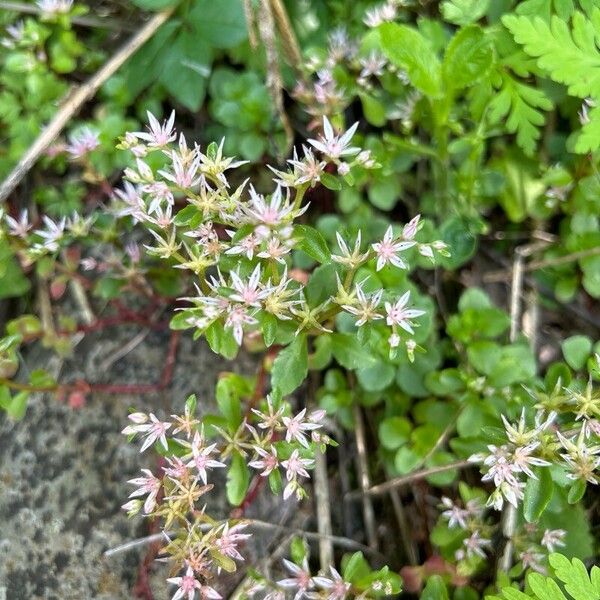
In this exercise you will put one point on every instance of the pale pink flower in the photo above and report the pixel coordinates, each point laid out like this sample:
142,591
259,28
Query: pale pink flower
230,538
500,467
201,457
133,205
522,459
373,64
188,584
335,146
343,169
366,308
533,560
398,314
380,14
553,538
133,251
276,250
269,461
54,7
387,250
475,544
410,229
159,192
307,170
153,431
158,135
184,175
295,466
337,588
146,485
82,142
19,227
456,516
52,233
272,418
301,579
247,245
15,32
272,212
237,317
162,217
296,426
394,340
249,292
177,469
89,263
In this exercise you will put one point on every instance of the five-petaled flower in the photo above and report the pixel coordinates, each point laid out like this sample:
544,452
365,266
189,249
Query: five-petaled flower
388,248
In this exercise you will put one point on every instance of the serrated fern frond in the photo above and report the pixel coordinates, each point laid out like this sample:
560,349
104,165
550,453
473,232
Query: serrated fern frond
578,583
569,55
521,106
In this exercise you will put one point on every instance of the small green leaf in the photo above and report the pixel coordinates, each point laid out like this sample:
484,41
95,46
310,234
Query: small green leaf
238,479
575,577
464,12
298,550
435,589
376,377
544,587
468,58
409,50
373,109
350,353
462,242
321,357
576,491
291,366
576,350
394,431
538,493
222,24
224,562
269,328
12,281
355,568
313,243
331,182
108,288
275,482
229,392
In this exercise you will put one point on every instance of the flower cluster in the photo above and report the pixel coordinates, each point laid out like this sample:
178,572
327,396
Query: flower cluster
572,445
506,463
268,441
239,242
328,585
532,545
47,239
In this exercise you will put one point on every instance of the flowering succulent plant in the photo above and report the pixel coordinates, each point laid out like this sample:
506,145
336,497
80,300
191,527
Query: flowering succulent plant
265,259
239,242
238,245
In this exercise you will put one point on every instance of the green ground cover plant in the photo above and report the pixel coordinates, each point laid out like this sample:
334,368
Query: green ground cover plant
394,208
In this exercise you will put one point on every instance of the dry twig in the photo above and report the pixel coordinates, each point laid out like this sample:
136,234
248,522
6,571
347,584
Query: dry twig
337,540
266,28
363,476
321,488
384,488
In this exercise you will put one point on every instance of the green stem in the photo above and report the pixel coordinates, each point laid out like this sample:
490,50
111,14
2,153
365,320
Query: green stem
26,387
